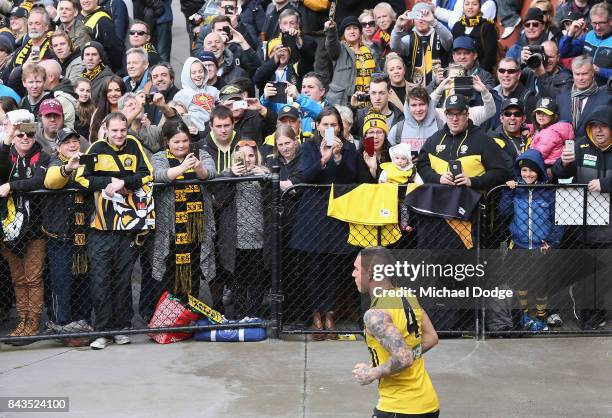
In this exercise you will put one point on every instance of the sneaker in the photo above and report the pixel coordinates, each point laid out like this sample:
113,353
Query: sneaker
100,343
596,319
526,322
122,339
509,30
538,325
554,320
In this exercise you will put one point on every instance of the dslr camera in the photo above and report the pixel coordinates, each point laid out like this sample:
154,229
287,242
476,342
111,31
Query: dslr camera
537,58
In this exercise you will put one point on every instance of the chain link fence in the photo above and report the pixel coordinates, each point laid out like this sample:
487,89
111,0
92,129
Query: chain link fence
235,246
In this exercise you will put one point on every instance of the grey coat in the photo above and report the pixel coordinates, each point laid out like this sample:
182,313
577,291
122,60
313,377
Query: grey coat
342,85
165,219
74,69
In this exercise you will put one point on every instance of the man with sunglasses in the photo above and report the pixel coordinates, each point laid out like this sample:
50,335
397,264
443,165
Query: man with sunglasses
534,33
510,86
140,37
511,135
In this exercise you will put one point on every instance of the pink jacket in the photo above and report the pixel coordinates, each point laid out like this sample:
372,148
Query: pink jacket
550,141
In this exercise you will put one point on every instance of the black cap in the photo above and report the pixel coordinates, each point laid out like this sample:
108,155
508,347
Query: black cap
64,134
456,102
512,102
230,91
289,111
547,105
19,12
534,14
568,15
349,21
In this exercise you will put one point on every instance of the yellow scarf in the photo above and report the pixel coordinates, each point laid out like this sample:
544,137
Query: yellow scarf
472,21
25,51
365,65
93,73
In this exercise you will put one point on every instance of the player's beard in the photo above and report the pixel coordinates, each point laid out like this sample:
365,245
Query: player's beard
35,35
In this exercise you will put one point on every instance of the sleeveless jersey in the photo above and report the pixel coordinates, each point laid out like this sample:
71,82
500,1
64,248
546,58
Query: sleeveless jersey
411,390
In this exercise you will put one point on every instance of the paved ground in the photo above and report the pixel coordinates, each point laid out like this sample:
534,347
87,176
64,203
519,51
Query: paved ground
543,377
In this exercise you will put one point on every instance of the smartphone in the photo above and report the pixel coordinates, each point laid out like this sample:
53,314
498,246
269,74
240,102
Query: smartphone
239,157
363,97
455,167
240,104
186,119
149,98
280,96
368,145
569,145
463,81
88,159
229,33
35,53
414,15
194,149
330,136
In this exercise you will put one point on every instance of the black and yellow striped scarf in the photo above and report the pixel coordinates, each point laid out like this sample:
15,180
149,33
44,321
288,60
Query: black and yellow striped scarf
24,52
365,65
189,225
472,21
93,73
79,255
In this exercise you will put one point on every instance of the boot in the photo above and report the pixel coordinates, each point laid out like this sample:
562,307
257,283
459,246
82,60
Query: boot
35,309
330,325
317,324
21,302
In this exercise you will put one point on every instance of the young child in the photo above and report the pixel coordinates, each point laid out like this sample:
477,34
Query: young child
550,134
400,171
532,227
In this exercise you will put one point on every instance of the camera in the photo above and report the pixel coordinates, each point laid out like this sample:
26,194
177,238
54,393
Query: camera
149,98
229,9
363,97
537,58
464,85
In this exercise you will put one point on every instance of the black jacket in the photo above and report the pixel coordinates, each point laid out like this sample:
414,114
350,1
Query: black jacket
252,126
357,129
481,158
591,163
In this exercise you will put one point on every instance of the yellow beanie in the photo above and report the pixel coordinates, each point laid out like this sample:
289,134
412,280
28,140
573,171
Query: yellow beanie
274,43
375,120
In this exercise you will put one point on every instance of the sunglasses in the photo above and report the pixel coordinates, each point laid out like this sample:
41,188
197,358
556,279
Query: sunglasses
246,143
507,70
138,32
532,24
24,134
371,24
516,114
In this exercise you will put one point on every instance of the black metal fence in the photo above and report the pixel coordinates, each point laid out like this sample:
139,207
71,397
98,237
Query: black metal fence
247,248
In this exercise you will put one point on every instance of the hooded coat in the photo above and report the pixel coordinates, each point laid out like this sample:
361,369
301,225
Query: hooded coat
532,209
199,101
551,140
412,132
592,162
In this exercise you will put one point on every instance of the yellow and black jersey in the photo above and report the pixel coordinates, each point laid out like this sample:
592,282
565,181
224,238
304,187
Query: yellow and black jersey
513,146
409,391
481,158
136,211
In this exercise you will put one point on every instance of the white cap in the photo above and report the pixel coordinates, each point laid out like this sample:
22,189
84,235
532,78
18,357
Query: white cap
20,116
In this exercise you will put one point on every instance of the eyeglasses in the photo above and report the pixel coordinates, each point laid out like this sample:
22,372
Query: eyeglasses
138,32
455,115
516,114
507,70
371,24
21,135
246,143
532,24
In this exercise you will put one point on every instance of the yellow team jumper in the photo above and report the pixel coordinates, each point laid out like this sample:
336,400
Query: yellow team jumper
409,391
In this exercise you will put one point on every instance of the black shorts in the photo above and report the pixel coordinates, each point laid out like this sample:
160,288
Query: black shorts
383,414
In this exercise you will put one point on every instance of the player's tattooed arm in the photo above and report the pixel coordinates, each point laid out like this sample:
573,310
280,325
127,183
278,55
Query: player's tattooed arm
379,325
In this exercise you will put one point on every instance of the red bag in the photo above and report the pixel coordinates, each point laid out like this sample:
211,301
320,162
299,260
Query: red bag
171,312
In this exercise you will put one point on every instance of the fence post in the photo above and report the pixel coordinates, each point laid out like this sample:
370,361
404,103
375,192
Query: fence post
276,297
480,306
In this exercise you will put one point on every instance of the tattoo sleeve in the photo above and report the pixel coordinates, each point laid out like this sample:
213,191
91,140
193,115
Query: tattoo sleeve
379,325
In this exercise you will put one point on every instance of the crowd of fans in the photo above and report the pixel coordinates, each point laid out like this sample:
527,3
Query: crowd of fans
354,92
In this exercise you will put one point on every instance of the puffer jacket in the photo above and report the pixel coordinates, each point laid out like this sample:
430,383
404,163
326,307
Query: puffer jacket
532,209
550,141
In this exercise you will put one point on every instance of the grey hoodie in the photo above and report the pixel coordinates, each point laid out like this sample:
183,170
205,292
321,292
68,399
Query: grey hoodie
199,101
412,132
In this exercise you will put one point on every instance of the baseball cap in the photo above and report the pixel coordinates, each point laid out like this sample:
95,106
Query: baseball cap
208,56
49,106
289,111
64,134
512,102
546,105
456,102
230,91
19,12
464,42
567,15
